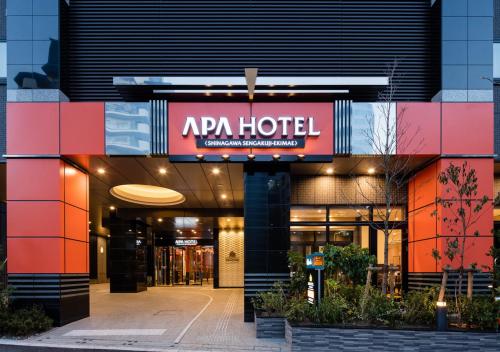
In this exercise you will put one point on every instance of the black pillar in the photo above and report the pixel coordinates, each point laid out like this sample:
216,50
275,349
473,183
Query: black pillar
267,228
127,255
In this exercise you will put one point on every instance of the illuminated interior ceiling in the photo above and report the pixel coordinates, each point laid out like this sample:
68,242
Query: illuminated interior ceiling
147,195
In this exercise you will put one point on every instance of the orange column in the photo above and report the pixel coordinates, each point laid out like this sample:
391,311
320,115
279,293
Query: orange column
47,215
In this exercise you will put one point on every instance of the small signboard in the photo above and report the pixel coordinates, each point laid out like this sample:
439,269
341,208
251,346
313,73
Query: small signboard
315,261
311,291
186,242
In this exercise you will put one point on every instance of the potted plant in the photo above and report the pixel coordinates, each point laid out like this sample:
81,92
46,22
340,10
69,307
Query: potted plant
269,310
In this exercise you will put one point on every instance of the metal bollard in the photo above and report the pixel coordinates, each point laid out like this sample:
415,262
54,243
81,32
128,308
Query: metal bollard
441,316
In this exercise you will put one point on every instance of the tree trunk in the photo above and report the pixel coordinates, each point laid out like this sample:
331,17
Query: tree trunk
470,284
385,271
442,290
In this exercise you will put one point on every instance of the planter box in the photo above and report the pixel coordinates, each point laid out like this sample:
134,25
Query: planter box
317,338
269,327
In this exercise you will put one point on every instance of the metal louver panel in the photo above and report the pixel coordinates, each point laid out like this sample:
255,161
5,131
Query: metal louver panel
343,126
221,37
158,127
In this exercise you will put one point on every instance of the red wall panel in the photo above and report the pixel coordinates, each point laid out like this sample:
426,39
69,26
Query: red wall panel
76,257
467,128
76,224
425,186
76,187
36,255
47,185
35,219
425,223
419,128
82,128
32,128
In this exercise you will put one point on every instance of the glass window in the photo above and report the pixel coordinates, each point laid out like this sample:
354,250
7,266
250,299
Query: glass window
344,235
20,76
394,254
20,52
45,7
3,59
306,213
396,214
496,60
480,7
19,7
454,28
364,118
128,129
478,75
307,239
454,76
455,52
454,7
480,28
19,28
480,52
349,214
496,214
45,27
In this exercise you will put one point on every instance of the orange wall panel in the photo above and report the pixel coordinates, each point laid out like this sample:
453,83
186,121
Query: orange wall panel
425,186
419,128
35,219
23,185
425,223
76,187
423,260
82,128
36,255
475,252
467,128
76,223
76,257
32,128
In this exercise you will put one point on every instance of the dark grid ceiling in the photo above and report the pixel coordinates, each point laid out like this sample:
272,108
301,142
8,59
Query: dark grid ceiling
197,182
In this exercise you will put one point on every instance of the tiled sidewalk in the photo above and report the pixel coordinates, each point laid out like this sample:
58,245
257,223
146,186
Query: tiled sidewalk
156,319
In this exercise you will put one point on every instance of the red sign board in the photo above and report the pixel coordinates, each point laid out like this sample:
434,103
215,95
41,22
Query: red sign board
256,128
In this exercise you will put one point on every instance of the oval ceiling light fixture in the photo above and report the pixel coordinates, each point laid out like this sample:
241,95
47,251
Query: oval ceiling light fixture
147,195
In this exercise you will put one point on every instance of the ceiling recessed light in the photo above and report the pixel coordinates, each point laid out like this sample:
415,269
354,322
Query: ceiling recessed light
223,196
329,171
196,220
160,220
371,170
112,207
228,219
90,222
229,94
208,94
101,171
216,171
162,171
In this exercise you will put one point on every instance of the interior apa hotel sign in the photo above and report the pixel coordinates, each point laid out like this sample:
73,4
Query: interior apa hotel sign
257,128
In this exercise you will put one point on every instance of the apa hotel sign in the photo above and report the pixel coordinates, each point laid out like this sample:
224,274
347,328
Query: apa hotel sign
260,128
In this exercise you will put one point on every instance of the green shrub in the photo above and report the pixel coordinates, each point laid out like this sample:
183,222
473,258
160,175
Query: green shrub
271,303
420,307
479,312
298,279
379,309
25,321
299,310
347,264
331,310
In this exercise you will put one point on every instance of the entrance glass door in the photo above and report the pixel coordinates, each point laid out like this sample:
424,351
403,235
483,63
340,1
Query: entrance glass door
162,263
178,268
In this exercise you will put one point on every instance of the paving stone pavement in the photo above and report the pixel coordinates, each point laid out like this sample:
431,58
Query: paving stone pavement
156,319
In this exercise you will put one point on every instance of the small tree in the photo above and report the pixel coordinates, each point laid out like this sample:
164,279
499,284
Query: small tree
388,132
463,207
